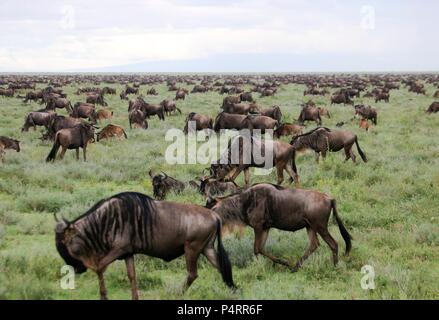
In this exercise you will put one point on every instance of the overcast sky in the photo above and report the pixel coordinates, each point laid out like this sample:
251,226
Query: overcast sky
228,36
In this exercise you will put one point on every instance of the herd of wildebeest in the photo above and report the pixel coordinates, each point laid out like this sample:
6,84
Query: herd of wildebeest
129,223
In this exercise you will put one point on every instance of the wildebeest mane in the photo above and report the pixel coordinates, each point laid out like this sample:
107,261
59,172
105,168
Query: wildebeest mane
310,132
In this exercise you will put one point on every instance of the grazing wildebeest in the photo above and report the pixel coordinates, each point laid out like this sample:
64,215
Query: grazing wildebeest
226,120
241,108
268,92
227,168
162,184
72,138
130,223
96,98
154,109
151,92
433,108
246,96
137,118
86,111
258,122
8,143
202,122
230,100
199,89
33,96
310,113
170,107
382,96
210,187
288,129
131,90
7,92
265,206
367,112
274,112
103,114
60,103
38,118
181,94
110,131
323,140
123,95
341,98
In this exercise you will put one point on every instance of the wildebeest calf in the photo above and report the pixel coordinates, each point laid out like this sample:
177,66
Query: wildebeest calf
8,143
110,131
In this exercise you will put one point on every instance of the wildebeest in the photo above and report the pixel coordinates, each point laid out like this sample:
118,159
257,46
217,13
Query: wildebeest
323,112
131,90
274,112
60,122
226,120
211,187
151,92
34,96
96,98
146,108
86,111
288,129
169,107
265,206
323,140
103,114
163,184
8,143
110,131
72,138
382,96
230,100
341,98
433,108
258,122
227,168
7,92
60,103
38,118
137,118
246,96
130,223
367,112
310,113
202,122
241,108
181,94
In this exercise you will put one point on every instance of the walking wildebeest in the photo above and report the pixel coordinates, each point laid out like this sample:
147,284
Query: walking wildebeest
131,223
202,122
72,138
382,96
258,122
110,131
241,108
265,206
38,118
96,98
341,98
227,168
288,129
162,184
60,103
323,140
169,107
8,143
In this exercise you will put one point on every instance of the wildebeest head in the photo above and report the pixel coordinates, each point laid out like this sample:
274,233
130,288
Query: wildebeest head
162,184
64,231
15,144
88,132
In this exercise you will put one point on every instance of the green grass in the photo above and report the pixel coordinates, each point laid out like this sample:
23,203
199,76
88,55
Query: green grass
390,206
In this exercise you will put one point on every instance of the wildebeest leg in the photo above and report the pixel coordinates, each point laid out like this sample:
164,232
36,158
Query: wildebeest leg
77,153
313,244
347,153
317,156
102,289
326,236
261,236
191,253
247,176
129,262
84,151
352,155
63,152
280,174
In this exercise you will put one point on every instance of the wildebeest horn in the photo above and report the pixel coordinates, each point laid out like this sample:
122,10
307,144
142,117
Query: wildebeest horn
150,174
56,218
164,174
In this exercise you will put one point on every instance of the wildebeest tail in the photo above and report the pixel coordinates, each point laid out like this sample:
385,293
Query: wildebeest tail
223,259
362,155
52,154
293,163
344,233
125,134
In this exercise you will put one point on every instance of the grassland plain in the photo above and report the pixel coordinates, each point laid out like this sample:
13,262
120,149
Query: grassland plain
390,205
